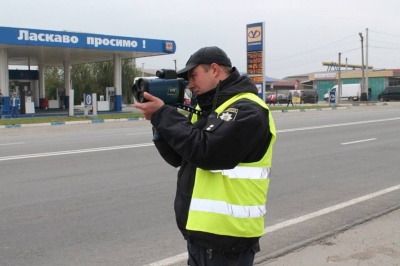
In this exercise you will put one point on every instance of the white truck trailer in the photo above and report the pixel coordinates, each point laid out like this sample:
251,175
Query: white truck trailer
350,92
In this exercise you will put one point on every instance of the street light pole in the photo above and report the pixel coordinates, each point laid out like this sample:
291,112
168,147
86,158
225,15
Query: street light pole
339,92
362,64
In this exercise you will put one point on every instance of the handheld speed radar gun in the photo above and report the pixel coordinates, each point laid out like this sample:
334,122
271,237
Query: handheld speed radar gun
165,86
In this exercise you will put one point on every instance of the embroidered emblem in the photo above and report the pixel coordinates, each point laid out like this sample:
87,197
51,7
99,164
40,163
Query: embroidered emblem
229,114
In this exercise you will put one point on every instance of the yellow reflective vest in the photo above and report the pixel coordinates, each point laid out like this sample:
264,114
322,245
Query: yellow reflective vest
231,202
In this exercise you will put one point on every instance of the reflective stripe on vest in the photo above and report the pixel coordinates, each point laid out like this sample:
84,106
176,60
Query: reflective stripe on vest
246,172
232,201
221,207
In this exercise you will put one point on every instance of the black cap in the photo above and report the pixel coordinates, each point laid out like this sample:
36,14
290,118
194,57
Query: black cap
206,55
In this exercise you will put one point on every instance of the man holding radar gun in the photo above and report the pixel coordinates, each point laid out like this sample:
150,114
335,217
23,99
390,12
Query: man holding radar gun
224,151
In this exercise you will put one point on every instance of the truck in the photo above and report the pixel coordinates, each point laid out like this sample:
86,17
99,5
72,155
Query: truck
350,92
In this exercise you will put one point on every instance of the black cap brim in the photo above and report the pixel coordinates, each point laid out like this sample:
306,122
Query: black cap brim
183,73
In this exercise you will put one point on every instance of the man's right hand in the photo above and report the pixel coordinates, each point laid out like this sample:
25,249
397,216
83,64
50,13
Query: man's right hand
149,107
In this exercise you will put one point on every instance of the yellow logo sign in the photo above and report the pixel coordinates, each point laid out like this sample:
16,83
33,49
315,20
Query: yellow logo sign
254,34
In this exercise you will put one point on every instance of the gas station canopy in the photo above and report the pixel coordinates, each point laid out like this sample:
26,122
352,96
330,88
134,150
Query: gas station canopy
53,48
42,48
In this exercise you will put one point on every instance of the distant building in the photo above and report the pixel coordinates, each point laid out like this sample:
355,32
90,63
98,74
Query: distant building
323,81
377,80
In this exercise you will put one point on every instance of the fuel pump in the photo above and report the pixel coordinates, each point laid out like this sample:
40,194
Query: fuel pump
25,83
27,102
110,97
25,96
61,97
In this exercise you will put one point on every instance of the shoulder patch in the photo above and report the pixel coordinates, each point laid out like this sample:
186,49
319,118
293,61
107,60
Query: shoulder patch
229,114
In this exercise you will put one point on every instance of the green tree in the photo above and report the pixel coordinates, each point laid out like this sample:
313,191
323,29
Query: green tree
82,81
104,73
54,78
129,73
92,78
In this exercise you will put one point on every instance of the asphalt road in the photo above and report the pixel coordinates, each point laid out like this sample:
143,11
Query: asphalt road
100,194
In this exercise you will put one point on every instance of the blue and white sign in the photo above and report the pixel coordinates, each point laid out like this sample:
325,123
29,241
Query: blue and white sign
88,99
332,97
35,37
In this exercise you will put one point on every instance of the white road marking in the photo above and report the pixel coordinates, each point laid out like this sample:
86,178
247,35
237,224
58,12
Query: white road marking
276,227
15,143
337,125
46,154
339,206
357,141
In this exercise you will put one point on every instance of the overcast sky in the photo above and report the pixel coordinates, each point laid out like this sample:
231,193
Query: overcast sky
299,34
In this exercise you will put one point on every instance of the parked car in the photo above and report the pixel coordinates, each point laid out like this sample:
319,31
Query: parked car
390,94
267,94
187,100
281,98
309,96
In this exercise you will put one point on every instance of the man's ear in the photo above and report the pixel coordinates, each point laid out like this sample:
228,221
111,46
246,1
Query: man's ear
215,69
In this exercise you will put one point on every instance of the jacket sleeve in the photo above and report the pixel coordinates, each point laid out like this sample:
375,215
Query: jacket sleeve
240,135
167,153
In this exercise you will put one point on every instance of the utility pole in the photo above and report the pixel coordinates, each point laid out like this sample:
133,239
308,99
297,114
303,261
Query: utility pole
366,63
175,65
362,64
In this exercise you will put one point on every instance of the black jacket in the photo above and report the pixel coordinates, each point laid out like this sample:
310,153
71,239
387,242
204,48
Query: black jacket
245,138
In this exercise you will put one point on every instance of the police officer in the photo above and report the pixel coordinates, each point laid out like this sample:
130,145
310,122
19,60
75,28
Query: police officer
224,154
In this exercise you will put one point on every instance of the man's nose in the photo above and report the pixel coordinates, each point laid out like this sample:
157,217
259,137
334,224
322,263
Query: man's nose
190,85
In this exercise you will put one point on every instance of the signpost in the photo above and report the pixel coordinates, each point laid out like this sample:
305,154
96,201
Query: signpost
332,97
255,56
90,102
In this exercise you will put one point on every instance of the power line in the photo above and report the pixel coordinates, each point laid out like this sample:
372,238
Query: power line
315,59
388,48
384,42
385,33
311,50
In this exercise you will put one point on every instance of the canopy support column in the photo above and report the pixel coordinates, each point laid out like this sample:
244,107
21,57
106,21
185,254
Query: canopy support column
118,82
4,81
4,87
67,87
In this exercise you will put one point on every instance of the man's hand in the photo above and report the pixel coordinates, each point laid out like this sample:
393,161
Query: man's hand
151,106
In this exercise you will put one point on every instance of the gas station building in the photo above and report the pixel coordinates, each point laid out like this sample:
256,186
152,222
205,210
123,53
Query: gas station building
45,48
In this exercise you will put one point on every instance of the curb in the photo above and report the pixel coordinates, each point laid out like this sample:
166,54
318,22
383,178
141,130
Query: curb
309,110
60,123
